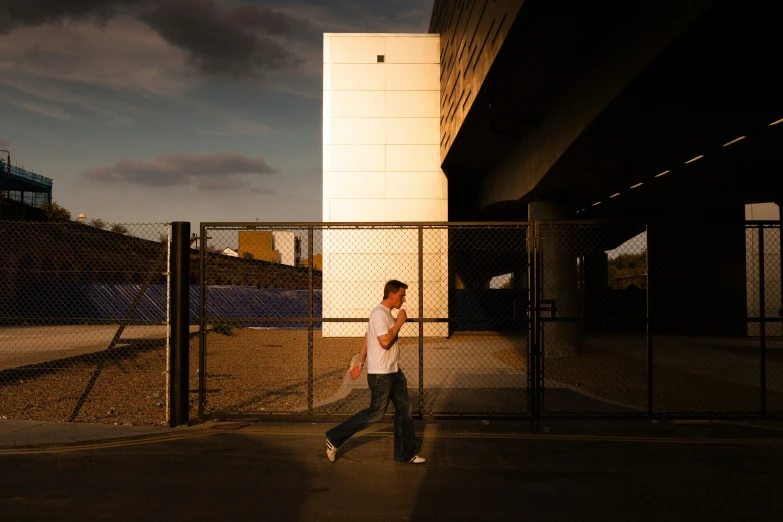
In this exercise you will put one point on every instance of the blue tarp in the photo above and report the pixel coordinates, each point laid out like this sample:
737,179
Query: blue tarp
79,302
107,302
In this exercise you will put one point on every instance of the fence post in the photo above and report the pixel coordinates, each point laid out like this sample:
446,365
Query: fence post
421,321
310,319
650,361
762,324
179,303
202,321
534,324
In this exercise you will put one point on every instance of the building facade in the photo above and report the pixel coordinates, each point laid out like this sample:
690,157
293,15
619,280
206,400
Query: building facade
512,111
381,163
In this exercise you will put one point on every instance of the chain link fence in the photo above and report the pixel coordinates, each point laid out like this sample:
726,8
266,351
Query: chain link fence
83,322
634,319
593,296
653,319
661,319
704,360
765,306
463,350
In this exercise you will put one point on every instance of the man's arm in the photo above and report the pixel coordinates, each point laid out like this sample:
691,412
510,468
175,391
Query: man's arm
357,369
387,340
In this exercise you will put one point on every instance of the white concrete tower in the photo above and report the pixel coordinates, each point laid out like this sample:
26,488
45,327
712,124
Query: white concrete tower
381,163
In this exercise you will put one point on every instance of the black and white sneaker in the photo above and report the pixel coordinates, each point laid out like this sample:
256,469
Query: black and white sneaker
331,451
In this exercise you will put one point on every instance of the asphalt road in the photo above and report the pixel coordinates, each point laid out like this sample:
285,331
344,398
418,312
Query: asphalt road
279,473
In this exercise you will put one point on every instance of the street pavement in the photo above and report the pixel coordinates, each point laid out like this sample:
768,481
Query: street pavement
21,346
478,470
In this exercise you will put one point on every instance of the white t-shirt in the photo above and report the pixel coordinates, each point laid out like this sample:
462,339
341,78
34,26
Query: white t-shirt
378,359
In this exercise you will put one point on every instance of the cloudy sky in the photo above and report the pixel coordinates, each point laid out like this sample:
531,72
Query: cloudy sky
193,110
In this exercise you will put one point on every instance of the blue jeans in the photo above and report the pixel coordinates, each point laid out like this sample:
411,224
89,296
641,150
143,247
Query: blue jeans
384,388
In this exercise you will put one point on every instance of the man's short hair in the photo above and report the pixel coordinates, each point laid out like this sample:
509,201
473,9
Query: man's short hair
392,287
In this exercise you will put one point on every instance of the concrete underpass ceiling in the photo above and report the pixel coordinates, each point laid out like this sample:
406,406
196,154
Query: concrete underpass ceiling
713,83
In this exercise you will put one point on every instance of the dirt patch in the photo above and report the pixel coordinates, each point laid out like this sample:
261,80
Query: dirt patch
248,371
126,386
265,371
257,371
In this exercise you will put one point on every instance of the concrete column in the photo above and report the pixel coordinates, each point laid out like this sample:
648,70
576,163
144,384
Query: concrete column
698,276
594,297
559,279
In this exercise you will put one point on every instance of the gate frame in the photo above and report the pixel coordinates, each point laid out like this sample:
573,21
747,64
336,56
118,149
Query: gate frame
310,320
537,305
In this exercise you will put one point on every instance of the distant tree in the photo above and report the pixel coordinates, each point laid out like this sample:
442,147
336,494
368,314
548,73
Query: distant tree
163,238
54,212
628,265
118,228
248,255
98,223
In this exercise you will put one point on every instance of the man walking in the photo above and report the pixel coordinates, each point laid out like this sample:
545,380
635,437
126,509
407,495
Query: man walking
381,352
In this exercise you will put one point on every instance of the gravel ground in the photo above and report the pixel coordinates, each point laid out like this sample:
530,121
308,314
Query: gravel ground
129,387
254,371
249,371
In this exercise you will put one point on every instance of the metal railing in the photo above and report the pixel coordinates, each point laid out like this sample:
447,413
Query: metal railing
20,173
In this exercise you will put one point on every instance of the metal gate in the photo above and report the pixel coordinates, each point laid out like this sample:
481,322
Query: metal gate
659,319
504,319
283,309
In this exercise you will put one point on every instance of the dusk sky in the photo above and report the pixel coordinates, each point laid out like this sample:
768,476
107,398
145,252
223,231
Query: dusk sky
192,110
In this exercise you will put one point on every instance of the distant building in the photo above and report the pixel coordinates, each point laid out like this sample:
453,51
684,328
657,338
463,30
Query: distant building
318,262
288,246
26,191
229,252
25,186
276,246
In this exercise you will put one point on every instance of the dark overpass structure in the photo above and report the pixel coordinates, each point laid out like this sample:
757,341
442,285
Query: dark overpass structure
575,102
655,112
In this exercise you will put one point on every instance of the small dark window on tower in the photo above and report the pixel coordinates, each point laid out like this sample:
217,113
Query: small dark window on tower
380,58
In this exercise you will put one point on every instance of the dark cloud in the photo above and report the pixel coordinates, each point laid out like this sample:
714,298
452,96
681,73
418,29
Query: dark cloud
229,183
238,41
262,18
99,174
264,191
215,172
14,13
231,42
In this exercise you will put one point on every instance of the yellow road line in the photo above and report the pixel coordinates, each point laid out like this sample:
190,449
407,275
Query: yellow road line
103,445
430,434
530,436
